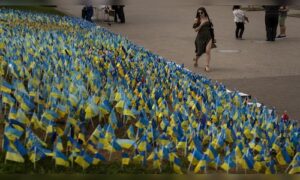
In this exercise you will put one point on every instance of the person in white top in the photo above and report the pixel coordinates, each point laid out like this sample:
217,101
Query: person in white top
239,19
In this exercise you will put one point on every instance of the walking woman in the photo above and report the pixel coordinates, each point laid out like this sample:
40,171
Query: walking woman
204,39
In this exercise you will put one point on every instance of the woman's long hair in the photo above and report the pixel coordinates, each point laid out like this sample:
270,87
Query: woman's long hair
205,14
203,10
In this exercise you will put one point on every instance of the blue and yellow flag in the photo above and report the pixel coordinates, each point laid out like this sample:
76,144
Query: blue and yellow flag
295,164
13,155
177,166
8,99
60,158
6,87
125,159
97,158
142,145
130,132
283,157
84,160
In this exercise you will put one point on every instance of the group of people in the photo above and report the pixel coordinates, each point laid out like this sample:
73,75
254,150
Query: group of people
119,16
205,39
275,14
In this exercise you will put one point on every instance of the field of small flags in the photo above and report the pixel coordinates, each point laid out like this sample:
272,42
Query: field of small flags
75,97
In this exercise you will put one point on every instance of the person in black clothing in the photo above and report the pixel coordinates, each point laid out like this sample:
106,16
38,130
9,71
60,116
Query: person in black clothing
119,13
271,21
87,13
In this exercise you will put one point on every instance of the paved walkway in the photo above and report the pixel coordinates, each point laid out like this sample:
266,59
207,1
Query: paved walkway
268,71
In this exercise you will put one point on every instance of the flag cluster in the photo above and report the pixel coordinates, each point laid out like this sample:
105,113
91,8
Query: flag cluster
79,94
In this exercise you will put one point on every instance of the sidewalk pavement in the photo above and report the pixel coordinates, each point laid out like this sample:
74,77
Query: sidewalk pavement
269,71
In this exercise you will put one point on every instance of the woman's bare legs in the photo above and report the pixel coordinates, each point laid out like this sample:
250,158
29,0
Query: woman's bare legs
207,51
282,30
196,60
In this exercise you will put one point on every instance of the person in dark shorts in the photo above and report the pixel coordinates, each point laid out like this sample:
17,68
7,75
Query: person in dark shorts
239,19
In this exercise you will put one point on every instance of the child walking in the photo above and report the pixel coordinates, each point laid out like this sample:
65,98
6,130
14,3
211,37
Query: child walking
239,19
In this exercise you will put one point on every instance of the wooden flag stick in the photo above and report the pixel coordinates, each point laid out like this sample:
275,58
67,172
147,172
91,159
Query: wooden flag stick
185,148
110,153
191,161
92,123
236,168
34,164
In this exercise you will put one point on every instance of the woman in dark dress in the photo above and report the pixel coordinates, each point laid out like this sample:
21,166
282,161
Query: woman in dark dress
204,39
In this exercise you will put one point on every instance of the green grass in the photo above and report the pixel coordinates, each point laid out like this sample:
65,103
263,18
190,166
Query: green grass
39,9
47,166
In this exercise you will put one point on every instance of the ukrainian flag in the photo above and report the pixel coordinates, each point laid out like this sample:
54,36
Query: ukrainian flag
74,144
258,166
109,134
156,161
60,158
19,146
295,164
84,160
59,145
38,153
73,100
142,146
125,159
26,104
163,139
112,119
130,132
12,133
195,157
105,107
8,99
182,144
91,110
218,161
176,166
247,162
128,112
22,118
91,146
97,158
35,121
239,149
115,146
211,152
13,155
50,115
6,87
283,157
142,122
12,114
270,167
228,163
126,143
202,163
